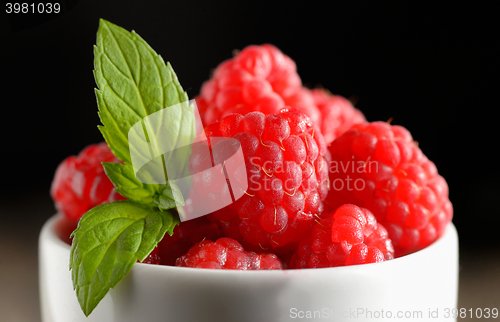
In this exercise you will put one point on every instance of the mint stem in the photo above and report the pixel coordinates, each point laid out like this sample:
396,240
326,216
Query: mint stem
164,168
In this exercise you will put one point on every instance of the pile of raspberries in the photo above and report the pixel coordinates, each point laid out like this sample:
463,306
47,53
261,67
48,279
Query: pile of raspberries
325,187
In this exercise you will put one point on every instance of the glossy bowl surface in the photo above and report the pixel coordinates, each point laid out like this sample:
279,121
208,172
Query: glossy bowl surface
409,288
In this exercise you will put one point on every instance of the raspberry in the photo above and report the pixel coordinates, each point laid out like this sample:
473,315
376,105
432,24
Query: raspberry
303,100
227,253
259,78
350,236
185,236
80,182
262,78
64,227
338,114
379,167
153,257
286,171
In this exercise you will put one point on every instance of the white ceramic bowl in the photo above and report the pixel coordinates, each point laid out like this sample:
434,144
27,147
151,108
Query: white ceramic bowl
415,287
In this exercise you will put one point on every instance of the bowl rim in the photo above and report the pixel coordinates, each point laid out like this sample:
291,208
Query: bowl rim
49,228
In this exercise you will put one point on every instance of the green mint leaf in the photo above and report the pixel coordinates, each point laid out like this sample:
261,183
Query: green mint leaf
169,197
165,196
133,82
136,87
123,178
109,239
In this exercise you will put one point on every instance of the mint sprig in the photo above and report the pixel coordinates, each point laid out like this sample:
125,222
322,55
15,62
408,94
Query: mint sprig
169,197
109,239
133,83
123,178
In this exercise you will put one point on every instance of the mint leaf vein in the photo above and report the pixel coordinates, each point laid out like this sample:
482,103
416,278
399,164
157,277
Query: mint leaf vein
108,241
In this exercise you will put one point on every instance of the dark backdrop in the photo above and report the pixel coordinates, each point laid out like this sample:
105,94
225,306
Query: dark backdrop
432,68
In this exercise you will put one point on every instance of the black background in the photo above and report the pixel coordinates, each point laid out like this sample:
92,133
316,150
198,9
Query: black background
433,68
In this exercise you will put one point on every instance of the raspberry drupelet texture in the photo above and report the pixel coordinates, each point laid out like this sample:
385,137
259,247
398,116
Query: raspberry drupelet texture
350,236
80,182
227,253
185,236
338,114
259,78
287,175
153,257
380,167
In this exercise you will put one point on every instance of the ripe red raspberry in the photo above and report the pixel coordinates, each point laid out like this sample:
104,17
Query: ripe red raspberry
286,171
338,114
350,236
259,78
153,257
380,167
63,229
185,236
227,253
80,182
262,78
